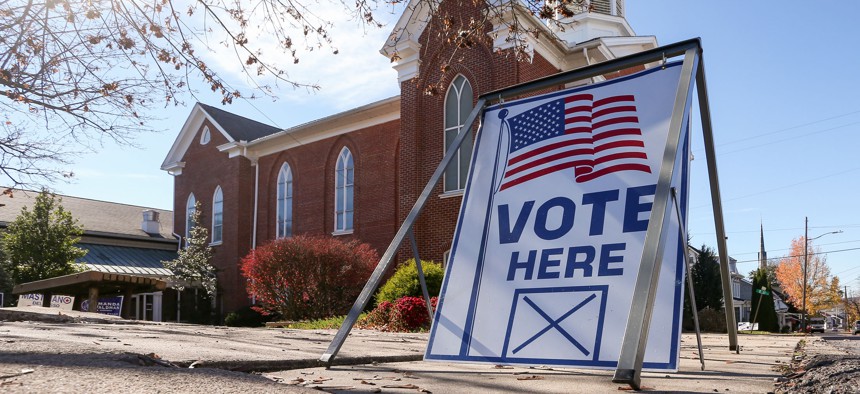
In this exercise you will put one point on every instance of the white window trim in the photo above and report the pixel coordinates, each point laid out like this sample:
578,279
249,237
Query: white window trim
206,136
343,231
278,224
190,203
452,194
458,93
214,195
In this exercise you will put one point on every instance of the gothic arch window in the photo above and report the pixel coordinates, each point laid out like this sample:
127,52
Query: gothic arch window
217,215
285,202
189,214
458,105
343,192
205,136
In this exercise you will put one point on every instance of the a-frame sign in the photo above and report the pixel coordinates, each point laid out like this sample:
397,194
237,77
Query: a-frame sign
573,222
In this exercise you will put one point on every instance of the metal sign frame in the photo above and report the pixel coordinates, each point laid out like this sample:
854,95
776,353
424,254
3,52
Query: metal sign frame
633,347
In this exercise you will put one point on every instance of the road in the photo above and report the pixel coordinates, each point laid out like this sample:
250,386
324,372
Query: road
848,343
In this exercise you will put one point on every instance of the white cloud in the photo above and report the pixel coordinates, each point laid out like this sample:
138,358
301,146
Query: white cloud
357,75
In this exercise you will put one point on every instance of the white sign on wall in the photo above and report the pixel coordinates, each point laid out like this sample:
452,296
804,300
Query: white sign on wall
34,299
63,302
552,227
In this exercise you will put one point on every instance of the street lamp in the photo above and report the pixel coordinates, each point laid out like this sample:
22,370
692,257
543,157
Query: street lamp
806,262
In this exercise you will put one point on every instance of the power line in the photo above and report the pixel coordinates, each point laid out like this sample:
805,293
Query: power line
779,250
800,255
783,130
817,178
789,139
836,226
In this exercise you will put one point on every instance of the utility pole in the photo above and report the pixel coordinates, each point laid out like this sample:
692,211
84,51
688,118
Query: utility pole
805,264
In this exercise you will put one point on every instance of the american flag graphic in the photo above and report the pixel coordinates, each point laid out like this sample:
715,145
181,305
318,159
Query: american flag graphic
591,137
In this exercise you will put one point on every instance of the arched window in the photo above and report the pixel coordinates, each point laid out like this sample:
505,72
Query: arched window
285,202
343,190
189,214
205,136
217,215
458,105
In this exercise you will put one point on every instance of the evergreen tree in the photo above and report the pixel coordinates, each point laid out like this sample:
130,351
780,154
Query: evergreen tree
192,266
40,243
5,286
763,311
707,281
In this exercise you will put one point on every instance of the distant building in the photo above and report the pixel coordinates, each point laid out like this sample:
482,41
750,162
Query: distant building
121,239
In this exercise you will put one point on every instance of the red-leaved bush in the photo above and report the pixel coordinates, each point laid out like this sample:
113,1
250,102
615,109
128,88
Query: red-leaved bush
308,277
404,314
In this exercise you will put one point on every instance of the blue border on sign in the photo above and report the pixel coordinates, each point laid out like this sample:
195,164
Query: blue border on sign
466,337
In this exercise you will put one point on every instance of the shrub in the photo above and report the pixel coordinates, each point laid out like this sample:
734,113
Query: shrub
405,314
308,277
712,320
404,282
246,317
379,318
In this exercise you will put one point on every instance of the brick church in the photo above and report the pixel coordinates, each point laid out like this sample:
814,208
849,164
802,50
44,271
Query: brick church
356,174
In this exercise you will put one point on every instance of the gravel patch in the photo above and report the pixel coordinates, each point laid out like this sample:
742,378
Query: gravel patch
822,367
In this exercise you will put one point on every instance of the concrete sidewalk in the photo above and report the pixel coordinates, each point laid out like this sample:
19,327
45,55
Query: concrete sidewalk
751,371
370,361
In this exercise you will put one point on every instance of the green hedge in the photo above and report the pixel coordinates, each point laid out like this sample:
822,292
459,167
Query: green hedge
404,282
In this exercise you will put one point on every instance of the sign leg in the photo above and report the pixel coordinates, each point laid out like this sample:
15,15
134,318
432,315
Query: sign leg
629,368
694,309
710,156
421,279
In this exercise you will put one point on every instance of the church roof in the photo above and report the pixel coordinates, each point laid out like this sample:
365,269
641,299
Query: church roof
239,127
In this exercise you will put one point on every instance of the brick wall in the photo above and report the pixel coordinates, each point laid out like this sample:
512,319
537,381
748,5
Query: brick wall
313,166
205,169
421,134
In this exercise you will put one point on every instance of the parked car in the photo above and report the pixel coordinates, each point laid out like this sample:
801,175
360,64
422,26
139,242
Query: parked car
857,327
817,324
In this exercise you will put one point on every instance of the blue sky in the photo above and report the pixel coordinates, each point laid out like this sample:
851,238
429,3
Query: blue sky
783,91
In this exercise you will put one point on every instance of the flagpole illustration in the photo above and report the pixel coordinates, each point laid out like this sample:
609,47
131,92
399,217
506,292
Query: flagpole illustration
470,322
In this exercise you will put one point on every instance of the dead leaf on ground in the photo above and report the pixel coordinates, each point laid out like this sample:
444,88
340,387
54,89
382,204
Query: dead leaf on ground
23,371
530,377
333,388
400,386
375,377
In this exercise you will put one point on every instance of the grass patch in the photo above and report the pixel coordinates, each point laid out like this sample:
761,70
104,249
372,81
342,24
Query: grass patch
321,324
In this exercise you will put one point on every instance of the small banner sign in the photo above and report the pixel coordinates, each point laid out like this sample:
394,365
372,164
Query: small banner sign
34,299
63,302
552,228
106,306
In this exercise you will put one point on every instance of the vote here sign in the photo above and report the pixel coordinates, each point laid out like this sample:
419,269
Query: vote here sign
552,227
